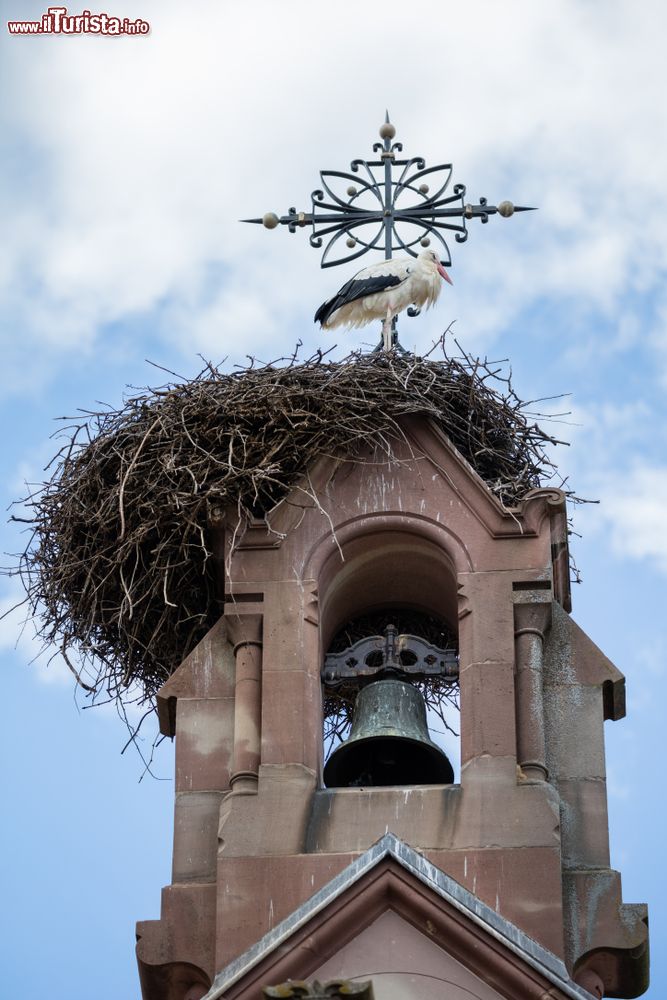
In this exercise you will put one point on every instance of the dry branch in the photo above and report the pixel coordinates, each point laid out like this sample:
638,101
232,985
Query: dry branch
118,569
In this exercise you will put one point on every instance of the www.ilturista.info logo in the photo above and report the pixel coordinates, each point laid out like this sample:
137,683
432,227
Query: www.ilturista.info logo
57,21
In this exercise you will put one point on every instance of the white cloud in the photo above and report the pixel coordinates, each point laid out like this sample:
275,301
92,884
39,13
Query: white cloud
633,506
616,459
609,462
150,150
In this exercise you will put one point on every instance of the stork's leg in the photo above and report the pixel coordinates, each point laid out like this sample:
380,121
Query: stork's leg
387,338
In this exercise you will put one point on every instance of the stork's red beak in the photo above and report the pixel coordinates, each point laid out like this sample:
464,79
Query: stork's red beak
444,273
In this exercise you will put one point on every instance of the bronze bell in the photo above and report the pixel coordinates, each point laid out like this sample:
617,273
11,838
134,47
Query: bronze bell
389,743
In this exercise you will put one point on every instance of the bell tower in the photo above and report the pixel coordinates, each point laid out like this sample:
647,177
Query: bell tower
412,562
523,833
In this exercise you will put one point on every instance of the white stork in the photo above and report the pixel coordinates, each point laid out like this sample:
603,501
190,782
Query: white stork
383,290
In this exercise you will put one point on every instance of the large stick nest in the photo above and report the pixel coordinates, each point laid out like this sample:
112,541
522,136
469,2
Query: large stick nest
118,569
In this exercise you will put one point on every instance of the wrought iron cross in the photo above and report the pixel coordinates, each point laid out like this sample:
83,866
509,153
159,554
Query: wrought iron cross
387,205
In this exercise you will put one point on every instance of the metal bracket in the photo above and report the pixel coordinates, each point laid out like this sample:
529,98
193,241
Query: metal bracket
406,655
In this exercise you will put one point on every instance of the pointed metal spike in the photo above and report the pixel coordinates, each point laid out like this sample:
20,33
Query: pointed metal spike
525,208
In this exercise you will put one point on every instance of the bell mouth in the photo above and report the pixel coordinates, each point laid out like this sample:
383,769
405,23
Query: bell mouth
381,761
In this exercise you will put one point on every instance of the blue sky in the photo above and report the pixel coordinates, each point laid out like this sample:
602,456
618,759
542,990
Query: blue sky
124,167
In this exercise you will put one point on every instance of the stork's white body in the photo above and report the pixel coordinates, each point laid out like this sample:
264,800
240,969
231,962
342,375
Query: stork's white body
383,290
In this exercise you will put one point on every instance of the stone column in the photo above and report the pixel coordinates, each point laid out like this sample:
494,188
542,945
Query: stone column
245,632
531,620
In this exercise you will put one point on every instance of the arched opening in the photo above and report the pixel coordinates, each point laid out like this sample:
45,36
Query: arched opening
389,613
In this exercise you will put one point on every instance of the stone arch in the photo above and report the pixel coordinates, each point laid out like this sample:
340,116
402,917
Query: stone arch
387,563
386,560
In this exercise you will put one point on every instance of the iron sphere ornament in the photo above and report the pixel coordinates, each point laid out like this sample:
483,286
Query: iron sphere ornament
270,220
387,130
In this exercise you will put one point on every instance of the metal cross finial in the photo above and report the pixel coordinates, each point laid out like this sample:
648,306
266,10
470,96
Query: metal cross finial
387,205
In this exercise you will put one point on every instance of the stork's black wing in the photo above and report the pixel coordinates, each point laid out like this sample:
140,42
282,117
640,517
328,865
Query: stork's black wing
356,288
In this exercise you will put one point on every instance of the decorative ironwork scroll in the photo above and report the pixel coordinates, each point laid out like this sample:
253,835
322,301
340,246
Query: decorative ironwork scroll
403,655
390,203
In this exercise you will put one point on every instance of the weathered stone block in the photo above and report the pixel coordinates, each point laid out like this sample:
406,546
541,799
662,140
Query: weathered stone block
195,836
488,718
204,746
